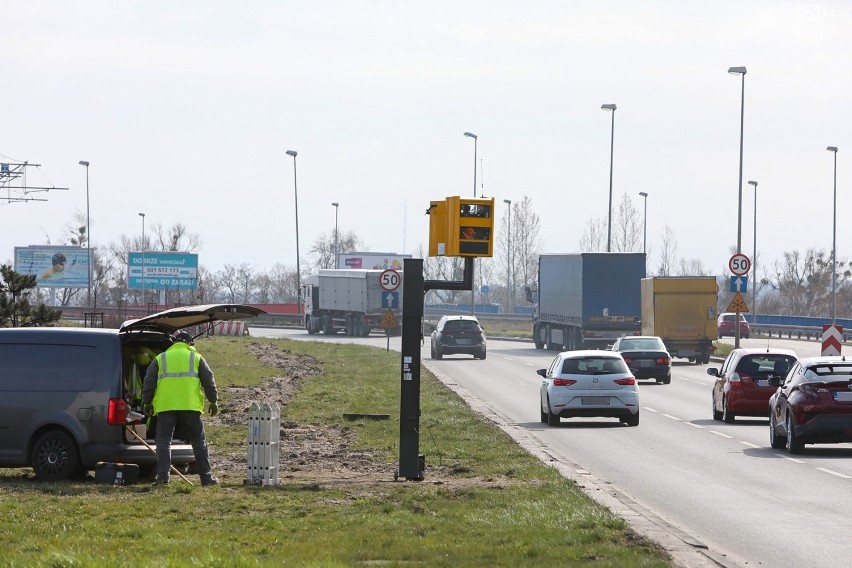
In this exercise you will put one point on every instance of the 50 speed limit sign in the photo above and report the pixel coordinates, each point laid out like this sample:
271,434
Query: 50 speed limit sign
739,264
389,280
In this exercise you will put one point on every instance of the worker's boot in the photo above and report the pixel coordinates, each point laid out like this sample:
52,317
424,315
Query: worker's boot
208,479
161,481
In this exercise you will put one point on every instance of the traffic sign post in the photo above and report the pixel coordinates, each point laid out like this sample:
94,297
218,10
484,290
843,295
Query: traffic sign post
389,280
739,264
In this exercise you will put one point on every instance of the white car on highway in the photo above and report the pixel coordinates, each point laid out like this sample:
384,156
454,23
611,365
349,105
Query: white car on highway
589,383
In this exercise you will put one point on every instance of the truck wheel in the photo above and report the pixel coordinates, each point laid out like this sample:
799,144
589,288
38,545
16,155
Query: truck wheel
55,457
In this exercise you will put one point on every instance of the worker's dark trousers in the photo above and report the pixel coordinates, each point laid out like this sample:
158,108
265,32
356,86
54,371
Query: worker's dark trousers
192,428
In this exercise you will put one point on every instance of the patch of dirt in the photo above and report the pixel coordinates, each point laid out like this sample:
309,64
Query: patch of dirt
310,453
307,453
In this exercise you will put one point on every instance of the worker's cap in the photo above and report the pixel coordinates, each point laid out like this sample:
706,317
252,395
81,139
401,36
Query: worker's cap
184,337
58,258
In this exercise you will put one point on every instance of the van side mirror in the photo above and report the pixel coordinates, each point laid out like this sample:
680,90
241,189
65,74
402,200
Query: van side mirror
529,294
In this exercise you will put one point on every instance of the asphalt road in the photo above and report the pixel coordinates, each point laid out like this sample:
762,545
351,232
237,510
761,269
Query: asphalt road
712,493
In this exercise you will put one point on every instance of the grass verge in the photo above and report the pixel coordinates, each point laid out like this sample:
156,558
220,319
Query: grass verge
485,502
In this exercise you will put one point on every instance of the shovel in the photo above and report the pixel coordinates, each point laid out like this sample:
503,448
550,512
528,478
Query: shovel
134,416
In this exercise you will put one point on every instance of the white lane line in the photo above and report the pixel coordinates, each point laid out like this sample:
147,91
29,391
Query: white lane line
649,409
672,417
749,444
719,434
531,365
788,458
834,473
694,425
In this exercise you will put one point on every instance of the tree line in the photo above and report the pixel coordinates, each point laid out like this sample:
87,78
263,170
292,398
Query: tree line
797,284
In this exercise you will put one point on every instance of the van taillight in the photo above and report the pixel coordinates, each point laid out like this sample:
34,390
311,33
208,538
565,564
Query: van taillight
117,412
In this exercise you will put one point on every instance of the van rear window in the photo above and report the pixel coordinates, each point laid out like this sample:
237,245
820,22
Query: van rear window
42,367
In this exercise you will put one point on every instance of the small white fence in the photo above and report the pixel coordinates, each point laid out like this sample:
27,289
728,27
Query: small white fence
263,443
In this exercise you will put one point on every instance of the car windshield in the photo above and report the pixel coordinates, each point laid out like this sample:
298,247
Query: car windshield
457,325
646,343
593,366
829,372
765,364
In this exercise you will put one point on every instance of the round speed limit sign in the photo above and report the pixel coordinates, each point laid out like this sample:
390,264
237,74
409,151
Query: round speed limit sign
389,280
739,264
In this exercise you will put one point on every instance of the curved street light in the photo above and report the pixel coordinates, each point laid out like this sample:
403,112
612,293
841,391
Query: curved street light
610,107
88,239
296,199
742,72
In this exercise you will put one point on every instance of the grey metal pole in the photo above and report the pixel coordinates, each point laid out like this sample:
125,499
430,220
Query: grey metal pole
754,259
88,239
143,257
644,194
509,284
742,72
296,201
834,244
473,286
336,205
610,107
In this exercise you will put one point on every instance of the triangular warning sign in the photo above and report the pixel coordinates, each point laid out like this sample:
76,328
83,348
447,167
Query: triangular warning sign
737,304
388,320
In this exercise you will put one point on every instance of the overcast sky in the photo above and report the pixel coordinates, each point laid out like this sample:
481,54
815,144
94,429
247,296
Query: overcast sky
185,110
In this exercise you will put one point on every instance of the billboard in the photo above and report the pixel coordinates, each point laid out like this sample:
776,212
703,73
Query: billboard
162,270
54,266
371,260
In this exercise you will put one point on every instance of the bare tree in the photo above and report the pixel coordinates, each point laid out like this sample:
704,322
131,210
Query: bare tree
526,239
802,283
228,281
322,251
668,253
627,227
594,236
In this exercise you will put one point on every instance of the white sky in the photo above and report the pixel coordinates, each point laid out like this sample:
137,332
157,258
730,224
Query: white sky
185,110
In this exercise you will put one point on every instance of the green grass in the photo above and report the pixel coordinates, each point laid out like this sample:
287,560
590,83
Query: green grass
484,502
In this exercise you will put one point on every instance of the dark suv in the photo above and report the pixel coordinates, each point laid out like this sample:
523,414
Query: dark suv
458,334
71,397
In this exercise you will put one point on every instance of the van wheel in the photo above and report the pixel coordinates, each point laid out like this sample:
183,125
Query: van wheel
55,457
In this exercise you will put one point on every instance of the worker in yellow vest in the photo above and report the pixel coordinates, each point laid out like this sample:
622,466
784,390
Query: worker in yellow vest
176,383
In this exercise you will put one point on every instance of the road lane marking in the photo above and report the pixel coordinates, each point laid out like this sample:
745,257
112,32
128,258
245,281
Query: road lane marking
695,425
672,417
649,409
788,458
749,444
719,434
834,473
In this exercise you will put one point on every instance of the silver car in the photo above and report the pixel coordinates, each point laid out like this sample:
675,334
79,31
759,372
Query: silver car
589,383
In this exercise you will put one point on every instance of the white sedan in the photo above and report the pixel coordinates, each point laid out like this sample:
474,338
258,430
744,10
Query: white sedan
589,383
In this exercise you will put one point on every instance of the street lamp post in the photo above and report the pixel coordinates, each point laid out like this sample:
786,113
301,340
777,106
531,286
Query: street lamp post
834,244
336,205
88,238
143,258
473,267
475,138
510,283
754,259
610,107
296,197
644,194
741,71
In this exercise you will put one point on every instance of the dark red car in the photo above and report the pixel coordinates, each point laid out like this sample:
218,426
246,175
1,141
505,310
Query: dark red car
726,325
743,385
812,404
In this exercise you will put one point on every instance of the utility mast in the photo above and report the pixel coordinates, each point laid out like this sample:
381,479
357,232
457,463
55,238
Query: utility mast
13,183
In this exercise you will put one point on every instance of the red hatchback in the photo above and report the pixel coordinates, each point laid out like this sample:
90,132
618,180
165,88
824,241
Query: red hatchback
743,385
813,404
726,325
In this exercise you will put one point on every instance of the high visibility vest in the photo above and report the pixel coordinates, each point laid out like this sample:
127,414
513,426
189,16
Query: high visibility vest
178,384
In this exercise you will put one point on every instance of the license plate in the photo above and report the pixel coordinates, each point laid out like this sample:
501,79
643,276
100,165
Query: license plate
843,396
595,400
646,363
762,383
462,341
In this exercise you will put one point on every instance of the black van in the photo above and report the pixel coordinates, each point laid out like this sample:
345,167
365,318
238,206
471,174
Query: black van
69,397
